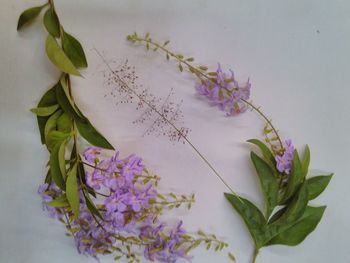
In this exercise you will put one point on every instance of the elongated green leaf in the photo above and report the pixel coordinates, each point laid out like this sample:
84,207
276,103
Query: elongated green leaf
66,103
28,16
317,184
292,214
306,160
45,111
51,22
296,177
62,160
48,178
56,137
82,176
72,191
51,126
48,99
74,51
252,217
92,135
295,234
268,182
268,155
55,167
90,205
58,57
60,201
64,123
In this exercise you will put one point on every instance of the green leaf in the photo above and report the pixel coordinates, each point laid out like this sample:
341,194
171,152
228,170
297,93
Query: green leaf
48,99
66,102
293,212
268,182
45,111
90,134
60,201
295,234
51,126
306,161
29,15
81,174
91,206
51,22
252,217
64,123
72,191
58,57
266,152
296,177
74,51
317,184
55,167
56,137
62,160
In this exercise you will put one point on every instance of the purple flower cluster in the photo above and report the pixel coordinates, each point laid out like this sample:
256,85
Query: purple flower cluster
225,92
284,161
165,247
128,206
92,238
128,200
48,192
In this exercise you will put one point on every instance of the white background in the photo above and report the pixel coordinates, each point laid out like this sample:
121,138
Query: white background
297,56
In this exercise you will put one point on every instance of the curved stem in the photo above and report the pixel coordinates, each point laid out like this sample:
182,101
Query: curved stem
255,255
126,88
200,74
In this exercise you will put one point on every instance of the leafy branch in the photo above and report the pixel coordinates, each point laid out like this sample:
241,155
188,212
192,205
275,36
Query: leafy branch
59,119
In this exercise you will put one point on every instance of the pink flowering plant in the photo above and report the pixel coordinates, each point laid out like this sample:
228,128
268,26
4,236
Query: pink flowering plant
288,218
109,205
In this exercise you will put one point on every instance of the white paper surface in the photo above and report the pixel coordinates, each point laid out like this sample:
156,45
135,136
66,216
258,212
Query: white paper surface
296,54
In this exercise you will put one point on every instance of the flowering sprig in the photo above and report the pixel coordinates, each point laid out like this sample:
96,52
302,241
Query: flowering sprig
220,89
109,206
282,174
126,222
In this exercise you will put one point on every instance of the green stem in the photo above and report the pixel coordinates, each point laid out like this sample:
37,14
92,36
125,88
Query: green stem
255,255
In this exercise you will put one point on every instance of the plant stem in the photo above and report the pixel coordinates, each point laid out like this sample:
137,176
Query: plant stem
126,88
255,255
200,74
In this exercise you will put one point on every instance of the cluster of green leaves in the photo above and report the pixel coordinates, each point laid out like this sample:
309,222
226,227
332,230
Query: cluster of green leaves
59,119
288,218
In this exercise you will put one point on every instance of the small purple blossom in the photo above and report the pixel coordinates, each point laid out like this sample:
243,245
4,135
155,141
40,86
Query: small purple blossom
284,161
225,92
129,207
48,192
162,246
90,154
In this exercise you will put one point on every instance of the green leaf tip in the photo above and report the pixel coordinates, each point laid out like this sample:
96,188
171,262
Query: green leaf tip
28,16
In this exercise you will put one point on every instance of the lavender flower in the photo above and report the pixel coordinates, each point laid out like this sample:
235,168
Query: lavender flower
130,212
225,92
48,192
162,246
90,154
284,161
